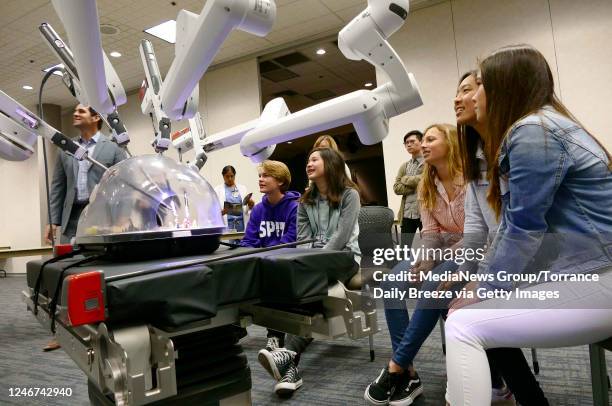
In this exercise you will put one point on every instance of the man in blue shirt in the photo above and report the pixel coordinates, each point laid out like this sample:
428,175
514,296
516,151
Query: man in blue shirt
74,180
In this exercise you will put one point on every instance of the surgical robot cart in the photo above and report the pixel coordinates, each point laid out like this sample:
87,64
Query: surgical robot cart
149,320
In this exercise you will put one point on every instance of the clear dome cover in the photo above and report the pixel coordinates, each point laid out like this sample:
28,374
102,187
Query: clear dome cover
149,197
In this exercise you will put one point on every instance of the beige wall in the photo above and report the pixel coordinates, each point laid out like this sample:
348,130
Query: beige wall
440,42
20,211
22,206
229,96
436,44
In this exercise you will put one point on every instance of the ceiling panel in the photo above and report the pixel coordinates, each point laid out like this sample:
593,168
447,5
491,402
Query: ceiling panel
348,13
299,12
335,5
25,54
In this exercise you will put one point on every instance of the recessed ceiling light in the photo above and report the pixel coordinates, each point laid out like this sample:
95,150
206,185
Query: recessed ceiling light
321,51
165,31
369,84
289,142
27,87
115,54
57,72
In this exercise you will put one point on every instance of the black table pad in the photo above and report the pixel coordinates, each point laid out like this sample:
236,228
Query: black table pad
180,294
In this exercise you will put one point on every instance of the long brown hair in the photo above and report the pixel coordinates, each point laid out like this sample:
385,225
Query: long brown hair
517,82
469,139
326,138
427,186
335,178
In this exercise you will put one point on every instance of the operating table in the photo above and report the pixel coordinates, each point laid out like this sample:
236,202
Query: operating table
168,330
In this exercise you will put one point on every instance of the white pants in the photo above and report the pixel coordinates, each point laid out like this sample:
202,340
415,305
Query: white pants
582,315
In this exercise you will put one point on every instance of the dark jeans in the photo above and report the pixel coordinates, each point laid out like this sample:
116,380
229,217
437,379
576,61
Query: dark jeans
297,344
407,337
409,228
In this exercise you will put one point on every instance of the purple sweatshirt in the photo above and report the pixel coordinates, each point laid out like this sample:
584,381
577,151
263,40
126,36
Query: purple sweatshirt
272,225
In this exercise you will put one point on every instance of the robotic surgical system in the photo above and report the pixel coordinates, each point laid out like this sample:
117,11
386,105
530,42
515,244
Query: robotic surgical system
150,305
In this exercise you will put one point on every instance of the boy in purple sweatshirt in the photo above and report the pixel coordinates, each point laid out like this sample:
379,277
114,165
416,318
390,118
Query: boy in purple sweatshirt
274,220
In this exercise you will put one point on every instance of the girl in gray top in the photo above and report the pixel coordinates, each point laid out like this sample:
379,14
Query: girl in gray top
328,213
330,205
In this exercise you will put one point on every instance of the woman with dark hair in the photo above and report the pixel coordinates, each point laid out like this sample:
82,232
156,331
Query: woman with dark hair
231,194
551,187
328,213
478,232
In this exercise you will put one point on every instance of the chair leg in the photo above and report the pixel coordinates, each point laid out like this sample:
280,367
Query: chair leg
599,375
442,335
534,359
372,354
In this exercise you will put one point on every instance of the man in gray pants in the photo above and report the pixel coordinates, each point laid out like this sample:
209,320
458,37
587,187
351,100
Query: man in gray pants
405,185
73,180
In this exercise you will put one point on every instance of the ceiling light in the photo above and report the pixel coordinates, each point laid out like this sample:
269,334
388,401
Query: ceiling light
369,84
115,54
321,51
289,142
27,87
57,72
165,31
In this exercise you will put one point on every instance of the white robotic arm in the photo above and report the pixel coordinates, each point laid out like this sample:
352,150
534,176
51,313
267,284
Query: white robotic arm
198,39
203,36
369,111
71,80
151,101
365,38
19,129
189,138
80,19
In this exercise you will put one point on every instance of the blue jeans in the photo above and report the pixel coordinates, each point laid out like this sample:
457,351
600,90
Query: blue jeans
408,336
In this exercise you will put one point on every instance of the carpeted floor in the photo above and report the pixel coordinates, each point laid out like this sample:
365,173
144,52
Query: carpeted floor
334,372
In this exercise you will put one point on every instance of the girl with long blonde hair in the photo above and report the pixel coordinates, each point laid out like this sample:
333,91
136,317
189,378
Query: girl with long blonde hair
441,196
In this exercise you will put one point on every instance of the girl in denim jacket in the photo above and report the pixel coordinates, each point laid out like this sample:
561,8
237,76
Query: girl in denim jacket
552,190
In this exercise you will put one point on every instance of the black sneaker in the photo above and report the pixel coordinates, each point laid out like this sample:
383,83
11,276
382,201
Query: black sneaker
407,390
273,344
289,383
276,362
381,389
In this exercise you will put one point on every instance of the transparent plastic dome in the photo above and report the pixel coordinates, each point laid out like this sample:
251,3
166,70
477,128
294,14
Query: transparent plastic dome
149,197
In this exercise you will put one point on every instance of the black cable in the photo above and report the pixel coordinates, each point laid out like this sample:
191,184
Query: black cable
39,277
44,144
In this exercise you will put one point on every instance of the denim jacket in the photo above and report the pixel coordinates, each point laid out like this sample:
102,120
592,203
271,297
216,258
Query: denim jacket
557,201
